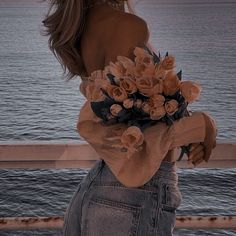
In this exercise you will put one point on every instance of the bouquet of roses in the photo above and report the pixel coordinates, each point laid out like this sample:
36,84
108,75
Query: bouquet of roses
140,93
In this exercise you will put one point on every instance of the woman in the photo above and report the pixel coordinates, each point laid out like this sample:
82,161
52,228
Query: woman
120,197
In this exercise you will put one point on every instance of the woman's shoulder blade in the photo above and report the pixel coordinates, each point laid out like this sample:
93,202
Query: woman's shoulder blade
130,31
133,26
118,35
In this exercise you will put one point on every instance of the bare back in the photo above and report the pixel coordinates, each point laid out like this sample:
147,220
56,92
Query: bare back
109,33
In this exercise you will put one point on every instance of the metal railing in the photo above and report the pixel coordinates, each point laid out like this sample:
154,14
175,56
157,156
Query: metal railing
81,155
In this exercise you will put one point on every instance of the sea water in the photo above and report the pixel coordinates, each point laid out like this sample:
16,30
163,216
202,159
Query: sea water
37,104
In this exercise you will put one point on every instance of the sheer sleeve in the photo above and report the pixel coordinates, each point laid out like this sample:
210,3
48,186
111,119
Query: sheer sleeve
158,140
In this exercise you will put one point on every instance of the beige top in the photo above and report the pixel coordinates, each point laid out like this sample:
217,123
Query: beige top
158,140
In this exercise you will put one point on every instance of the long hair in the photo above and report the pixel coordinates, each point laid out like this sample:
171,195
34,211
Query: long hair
64,23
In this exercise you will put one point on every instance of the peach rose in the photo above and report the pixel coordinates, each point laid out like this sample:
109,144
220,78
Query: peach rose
128,84
171,107
145,86
92,92
115,109
146,70
159,72
116,92
171,83
146,107
142,56
157,113
157,85
97,74
116,69
168,63
138,103
128,103
149,86
190,90
128,64
98,78
157,100
132,138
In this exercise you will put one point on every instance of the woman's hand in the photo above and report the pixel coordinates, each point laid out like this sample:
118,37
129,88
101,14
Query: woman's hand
202,151
196,154
210,137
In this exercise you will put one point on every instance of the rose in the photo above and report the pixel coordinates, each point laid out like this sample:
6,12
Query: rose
128,84
99,79
171,84
168,63
115,109
91,91
128,103
142,69
116,92
149,86
142,56
128,64
116,69
138,103
144,64
146,107
159,72
171,107
131,139
96,75
157,85
145,86
190,90
123,67
157,100
157,113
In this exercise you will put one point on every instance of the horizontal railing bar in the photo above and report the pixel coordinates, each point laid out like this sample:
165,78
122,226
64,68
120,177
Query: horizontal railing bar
48,154
56,222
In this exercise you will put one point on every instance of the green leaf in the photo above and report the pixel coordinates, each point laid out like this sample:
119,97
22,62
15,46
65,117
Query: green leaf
156,58
111,77
179,74
147,49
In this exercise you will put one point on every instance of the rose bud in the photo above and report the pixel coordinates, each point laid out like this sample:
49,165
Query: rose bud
171,107
128,103
146,107
115,109
157,100
157,113
138,103
128,84
190,90
145,86
131,139
171,84
118,93
168,63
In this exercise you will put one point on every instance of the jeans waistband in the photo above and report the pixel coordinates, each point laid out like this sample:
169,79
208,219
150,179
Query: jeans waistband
167,173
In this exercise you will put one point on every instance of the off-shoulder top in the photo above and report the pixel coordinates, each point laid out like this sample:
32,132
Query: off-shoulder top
158,140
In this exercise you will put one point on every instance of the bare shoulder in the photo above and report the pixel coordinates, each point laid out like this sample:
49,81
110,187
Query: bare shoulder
130,31
129,24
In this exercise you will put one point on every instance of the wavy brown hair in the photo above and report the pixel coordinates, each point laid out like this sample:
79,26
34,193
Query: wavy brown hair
64,23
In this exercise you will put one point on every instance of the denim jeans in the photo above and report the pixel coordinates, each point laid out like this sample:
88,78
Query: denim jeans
102,206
